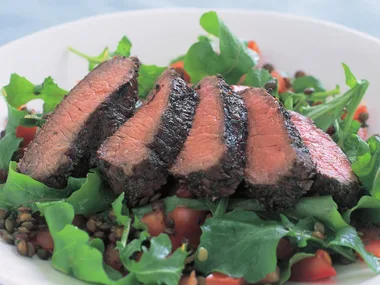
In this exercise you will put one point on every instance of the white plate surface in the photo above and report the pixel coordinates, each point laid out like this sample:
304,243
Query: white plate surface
289,42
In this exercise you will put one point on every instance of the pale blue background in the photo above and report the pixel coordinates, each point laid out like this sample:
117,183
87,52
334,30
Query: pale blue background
21,17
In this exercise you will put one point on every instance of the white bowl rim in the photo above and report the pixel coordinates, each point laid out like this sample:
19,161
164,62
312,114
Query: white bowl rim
283,15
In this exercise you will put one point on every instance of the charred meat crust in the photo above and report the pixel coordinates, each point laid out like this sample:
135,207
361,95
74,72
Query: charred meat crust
103,121
345,195
222,180
292,187
174,128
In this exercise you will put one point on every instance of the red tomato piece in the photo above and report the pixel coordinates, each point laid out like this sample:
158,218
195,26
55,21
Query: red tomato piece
187,226
313,268
27,134
44,239
179,66
280,81
253,46
361,109
155,222
221,279
373,246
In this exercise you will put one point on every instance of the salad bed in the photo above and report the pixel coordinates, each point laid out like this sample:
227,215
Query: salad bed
97,239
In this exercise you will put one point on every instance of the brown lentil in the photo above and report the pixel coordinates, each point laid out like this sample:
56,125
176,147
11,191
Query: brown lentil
3,214
99,234
317,234
27,225
23,209
22,248
91,225
270,86
269,67
119,232
112,238
299,73
31,249
105,227
23,230
43,254
17,236
2,224
319,227
8,238
158,206
98,223
10,225
25,217
363,117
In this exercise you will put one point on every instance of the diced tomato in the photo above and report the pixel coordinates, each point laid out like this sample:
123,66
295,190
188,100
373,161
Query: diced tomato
280,81
155,222
272,277
179,66
27,134
284,249
189,280
313,268
44,239
187,226
221,279
253,46
373,246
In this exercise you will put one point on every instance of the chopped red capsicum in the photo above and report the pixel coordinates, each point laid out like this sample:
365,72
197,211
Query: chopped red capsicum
313,268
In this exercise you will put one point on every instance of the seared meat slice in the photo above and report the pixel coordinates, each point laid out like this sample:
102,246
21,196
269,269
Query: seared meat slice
91,112
212,161
279,168
137,157
334,173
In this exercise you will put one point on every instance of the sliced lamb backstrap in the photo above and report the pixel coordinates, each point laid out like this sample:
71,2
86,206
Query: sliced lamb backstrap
137,157
212,161
279,168
334,173
91,112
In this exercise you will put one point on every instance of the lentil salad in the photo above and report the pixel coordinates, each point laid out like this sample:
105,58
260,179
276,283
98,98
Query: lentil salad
128,240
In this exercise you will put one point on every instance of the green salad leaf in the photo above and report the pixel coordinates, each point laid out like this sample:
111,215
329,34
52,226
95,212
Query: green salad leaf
324,115
322,208
257,78
234,60
20,91
74,254
21,189
147,78
86,195
10,143
303,82
157,265
123,48
366,210
245,238
367,166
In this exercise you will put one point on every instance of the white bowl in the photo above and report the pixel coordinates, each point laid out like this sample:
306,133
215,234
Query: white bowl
289,42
